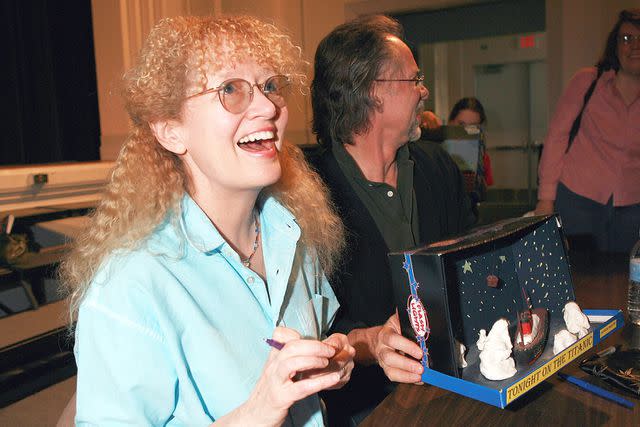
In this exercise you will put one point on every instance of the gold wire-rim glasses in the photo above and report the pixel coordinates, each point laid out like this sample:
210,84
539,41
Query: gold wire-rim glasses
237,94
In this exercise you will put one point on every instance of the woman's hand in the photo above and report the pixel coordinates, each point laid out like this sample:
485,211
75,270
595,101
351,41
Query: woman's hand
545,207
341,362
393,351
300,369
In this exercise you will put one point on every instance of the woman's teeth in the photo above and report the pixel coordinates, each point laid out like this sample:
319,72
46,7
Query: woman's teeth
257,136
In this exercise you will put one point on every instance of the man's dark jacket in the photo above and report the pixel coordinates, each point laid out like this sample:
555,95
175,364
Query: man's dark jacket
363,280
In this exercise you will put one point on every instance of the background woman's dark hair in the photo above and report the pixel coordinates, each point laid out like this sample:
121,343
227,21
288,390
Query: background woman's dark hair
347,62
468,104
609,59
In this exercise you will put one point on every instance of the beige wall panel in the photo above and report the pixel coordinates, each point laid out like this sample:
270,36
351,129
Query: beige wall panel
108,45
355,8
318,19
119,28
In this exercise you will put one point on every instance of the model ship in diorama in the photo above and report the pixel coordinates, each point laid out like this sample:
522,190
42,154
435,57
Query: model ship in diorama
531,333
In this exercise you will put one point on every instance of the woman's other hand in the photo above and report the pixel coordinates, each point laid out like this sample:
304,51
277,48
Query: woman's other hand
342,362
545,207
300,369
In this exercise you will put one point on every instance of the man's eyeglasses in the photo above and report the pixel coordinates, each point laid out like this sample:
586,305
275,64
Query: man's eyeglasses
418,79
236,94
627,39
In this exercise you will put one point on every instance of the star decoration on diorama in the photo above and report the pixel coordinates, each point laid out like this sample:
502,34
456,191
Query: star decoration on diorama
503,258
467,267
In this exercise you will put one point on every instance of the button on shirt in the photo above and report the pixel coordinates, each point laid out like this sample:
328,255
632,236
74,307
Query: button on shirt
604,159
394,210
173,333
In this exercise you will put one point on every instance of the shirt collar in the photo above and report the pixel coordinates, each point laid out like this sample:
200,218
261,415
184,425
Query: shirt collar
608,76
278,220
349,165
198,228
203,236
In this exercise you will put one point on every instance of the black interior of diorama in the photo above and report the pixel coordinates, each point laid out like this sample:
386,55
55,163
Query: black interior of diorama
477,304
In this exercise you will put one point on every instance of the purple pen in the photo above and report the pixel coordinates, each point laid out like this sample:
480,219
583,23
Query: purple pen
275,344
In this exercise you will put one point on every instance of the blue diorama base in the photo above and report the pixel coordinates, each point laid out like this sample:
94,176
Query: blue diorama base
502,393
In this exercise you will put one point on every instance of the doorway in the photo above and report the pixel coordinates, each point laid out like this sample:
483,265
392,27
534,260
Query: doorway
515,99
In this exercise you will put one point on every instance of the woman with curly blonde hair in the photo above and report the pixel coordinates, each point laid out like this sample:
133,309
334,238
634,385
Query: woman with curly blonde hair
213,235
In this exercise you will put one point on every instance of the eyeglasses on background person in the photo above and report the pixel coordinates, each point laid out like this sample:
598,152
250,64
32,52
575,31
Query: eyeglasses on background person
627,39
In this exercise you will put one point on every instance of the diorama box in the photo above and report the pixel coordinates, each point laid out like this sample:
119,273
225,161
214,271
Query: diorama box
448,291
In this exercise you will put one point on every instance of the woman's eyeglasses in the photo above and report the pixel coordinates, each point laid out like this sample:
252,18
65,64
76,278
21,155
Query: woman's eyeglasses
627,39
236,94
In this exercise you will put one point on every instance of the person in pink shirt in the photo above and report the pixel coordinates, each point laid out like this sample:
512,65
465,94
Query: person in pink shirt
594,183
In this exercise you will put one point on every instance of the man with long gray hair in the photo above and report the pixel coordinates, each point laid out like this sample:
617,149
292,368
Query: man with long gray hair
392,191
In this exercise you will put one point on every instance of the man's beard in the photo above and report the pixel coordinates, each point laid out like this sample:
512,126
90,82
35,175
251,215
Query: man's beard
415,131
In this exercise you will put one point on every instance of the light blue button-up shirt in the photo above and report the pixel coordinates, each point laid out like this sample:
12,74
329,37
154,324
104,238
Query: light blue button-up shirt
173,333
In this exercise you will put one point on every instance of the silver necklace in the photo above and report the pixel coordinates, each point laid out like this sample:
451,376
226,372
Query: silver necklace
247,261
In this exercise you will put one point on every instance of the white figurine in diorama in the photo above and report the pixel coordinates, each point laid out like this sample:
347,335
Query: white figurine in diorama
460,350
577,322
562,340
496,362
577,327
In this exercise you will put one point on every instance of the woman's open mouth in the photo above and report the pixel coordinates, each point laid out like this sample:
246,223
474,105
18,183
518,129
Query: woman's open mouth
261,142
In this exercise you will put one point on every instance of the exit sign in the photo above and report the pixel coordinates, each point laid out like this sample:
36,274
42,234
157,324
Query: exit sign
527,42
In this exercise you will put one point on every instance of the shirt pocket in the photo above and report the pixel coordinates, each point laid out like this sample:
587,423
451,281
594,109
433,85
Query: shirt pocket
310,319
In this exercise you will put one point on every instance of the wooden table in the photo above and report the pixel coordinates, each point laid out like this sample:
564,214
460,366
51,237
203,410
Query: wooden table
600,281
